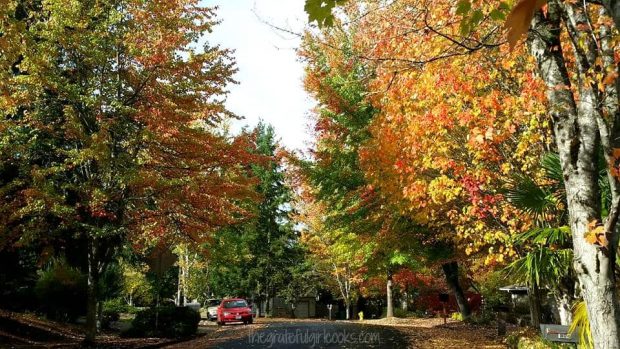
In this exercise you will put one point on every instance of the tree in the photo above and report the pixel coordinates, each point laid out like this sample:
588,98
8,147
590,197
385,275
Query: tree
339,256
339,75
135,284
270,237
573,45
108,130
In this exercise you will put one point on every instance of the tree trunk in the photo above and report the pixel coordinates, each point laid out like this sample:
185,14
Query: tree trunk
404,303
535,311
180,277
92,285
577,138
267,301
613,8
390,303
348,311
563,302
185,279
99,315
451,271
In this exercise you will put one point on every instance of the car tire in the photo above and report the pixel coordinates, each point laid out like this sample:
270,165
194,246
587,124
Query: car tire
250,321
220,323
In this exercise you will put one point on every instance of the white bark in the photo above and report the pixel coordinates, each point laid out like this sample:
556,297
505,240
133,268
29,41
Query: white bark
577,136
390,302
563,303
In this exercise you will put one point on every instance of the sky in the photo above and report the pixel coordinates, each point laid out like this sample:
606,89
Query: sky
270,75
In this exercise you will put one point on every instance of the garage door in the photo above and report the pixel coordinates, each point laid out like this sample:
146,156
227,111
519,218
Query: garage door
302,311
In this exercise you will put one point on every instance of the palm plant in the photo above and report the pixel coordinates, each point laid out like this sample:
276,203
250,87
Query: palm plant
547,257
582,324
546,254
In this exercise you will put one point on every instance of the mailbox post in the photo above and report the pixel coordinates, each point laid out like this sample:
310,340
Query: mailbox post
444,298
501,310
329,307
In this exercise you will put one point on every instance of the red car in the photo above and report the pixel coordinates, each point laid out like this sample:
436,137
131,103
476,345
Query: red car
234,310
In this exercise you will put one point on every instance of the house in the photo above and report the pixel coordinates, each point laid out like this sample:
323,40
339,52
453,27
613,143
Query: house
304,308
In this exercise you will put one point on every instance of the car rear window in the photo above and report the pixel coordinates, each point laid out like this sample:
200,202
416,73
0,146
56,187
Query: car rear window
235,304
214,302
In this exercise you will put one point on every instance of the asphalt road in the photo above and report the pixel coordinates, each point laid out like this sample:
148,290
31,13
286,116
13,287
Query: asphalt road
301,334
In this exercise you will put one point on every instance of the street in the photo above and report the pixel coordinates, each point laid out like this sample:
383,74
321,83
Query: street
299,334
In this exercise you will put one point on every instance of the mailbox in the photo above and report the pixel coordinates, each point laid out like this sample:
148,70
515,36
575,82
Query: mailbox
558,333
444,297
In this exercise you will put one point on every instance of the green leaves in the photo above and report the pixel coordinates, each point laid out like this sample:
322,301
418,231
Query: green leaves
463,7
321,11
472,17
528,196
545,236
541,267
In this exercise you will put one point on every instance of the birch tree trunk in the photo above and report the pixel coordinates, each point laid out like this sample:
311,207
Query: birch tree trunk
563,302
390,302
577,136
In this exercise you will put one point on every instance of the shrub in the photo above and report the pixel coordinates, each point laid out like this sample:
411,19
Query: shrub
173,322
61,290
530,338
112,309
457,316
400,313
119,306
481,318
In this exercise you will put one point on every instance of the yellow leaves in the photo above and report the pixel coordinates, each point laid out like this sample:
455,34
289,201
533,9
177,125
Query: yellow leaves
443,190
519,19
596,234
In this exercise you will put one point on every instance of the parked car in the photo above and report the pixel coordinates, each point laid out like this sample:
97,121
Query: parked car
212,305
234,310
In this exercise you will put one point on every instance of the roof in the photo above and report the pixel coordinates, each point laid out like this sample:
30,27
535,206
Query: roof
515,289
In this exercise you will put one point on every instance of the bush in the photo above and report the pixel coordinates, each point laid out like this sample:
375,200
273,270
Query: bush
173,322
530,338
61,290
457,316
119,306
400,313
481,318
112,309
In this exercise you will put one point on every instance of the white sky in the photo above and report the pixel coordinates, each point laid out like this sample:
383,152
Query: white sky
270,75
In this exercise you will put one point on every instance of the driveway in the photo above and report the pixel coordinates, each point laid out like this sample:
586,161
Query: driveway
299,334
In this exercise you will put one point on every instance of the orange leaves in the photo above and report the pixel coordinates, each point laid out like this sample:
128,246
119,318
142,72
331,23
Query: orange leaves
519,19
449,132
596,234
614,167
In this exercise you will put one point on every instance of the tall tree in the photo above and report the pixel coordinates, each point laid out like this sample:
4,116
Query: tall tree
574,45
271,239
340,75
108,119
